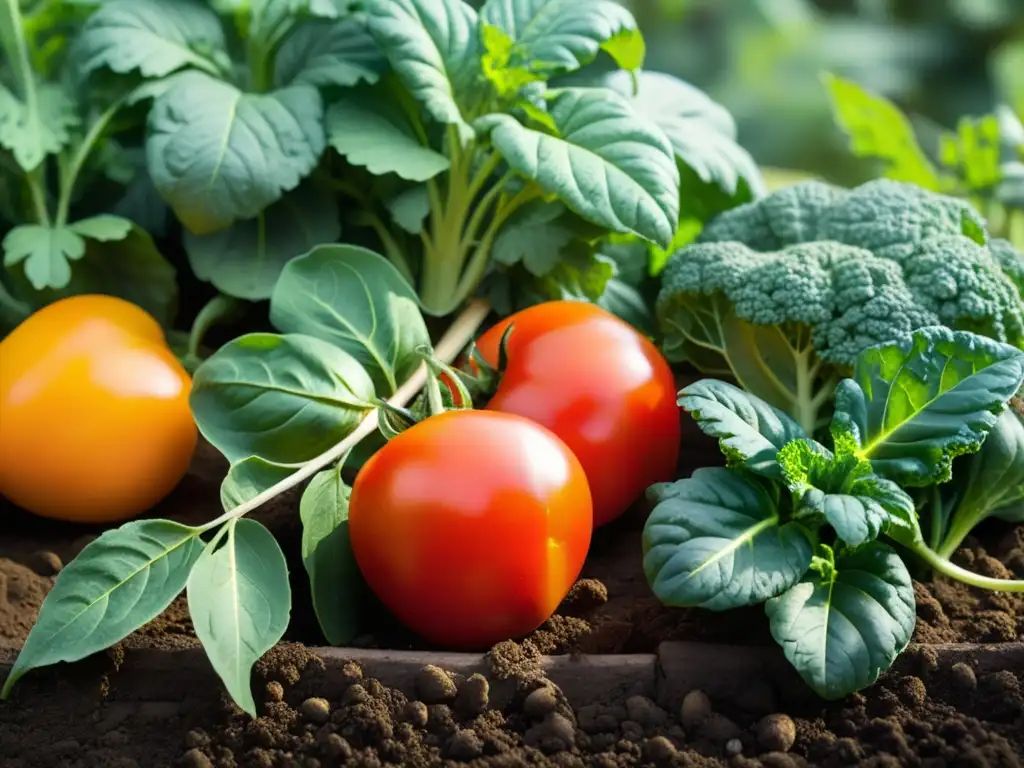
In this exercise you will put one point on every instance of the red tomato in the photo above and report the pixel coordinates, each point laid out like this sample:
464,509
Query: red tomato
471,526
598,384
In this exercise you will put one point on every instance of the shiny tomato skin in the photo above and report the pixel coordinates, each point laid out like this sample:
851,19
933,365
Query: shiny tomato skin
471,526
95,425
599,385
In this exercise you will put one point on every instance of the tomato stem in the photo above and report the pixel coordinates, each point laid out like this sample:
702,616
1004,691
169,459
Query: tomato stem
455,339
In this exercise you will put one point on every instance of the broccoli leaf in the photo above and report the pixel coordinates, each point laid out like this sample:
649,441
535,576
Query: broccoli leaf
217,154
370,131
358,301
285,399
38,126
927,397
153,37
434,48
563,35
841,628
750,431
246,259
606,165
879,130
328,53
716,541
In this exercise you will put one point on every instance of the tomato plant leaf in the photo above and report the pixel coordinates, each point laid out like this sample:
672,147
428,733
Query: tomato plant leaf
329,53
369,131
286,399
245,260
152,37
46,252
239,600
716,541
916,403
248,478
217,154
434,48
842,628
750,431
120,581
607,165
33,129
358,301
564,35
334,577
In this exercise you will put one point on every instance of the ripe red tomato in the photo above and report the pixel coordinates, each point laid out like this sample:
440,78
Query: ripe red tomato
471,526
599,385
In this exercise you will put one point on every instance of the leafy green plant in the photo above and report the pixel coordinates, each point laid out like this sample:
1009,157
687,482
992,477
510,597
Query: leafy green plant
55,142
784,293
802,527
284,408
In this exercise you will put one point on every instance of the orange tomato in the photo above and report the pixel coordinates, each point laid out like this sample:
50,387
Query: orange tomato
471,526
95,425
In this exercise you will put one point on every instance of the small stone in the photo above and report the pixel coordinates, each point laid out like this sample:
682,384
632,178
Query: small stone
659,750
335,746
355,694
719,728
46,563
195,759
416,714
275,691
434,685
540,703
733,747
695,710
632,730
465,745
913,691
644,711
316,710
776,733
964,678
473,696
555,734
196,738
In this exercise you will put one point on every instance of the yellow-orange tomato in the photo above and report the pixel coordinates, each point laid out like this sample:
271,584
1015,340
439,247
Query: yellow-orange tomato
95,425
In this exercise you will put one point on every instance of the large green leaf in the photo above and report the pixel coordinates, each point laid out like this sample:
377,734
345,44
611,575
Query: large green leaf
153,37
702,132
368,130
329,53
245,260
217,154
123,579
334,578
239,599
607,164
562,35
357,300
716,541
843,627
270,21
749,430
285,399
434,48
922,400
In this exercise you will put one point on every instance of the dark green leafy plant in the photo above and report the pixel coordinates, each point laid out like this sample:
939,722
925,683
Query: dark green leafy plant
284,408
56,142
801,527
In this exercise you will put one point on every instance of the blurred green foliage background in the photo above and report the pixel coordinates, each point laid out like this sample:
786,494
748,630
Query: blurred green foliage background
939,60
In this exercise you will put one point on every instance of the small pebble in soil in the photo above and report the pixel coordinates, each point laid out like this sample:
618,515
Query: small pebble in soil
964,679
46,563
196,739
695,710
554,734
733,747
416,714
659,749
275,691
541,702
473,696
776,733
434,685
194,758
465,745
645,712
316,710
913,691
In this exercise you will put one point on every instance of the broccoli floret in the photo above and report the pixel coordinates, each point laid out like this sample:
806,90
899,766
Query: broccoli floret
1010,259
785,292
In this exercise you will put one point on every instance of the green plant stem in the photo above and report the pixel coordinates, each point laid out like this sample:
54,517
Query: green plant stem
936,522
81,155
215,310
960,526
35,180
455,339
949,569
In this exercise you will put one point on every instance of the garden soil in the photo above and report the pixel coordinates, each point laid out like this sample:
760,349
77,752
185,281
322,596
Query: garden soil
925,715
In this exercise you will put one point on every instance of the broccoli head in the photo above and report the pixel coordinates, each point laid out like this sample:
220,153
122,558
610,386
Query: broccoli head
783,293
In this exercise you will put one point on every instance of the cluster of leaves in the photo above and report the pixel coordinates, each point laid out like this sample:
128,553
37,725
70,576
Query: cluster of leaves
801,526
981,160
283,407
783,294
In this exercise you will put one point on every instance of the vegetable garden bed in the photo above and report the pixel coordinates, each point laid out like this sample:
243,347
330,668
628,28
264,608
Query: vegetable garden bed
159,701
